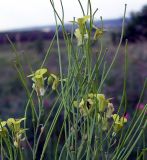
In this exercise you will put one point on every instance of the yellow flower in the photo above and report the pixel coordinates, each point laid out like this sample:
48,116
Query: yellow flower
16,144
110,110
85,106
118,122
81,32
2,124
81,22
39,73
91,95
3,129
102,102
14,125
98,101
18,137
54,80
83,19
38,78
78,37
98,33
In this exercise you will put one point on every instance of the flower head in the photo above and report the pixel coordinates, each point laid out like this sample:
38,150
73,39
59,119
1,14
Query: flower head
38,73
110,110
2,124
81,23
54,80
14,126
118,122
38,78
81,32
102,102
98,33
86,106
78,37
3,129
94,101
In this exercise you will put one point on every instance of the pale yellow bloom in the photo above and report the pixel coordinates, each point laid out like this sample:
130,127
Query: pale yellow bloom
38,78
78,37
81,22
110,110
86,106
102,102
14,126
81,32
118,122
38,73
3,129
98,33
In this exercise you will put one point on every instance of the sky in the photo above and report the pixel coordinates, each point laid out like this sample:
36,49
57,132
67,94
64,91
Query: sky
16,14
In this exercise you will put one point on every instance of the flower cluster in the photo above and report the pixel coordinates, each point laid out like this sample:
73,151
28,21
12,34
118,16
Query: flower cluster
3,129
118,122
98,32
14,126
39,77
97,103
91,102
81,33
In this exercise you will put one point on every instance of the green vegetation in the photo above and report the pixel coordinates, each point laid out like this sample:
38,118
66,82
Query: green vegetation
75,99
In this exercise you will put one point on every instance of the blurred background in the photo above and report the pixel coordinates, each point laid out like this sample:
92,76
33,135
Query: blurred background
30,25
